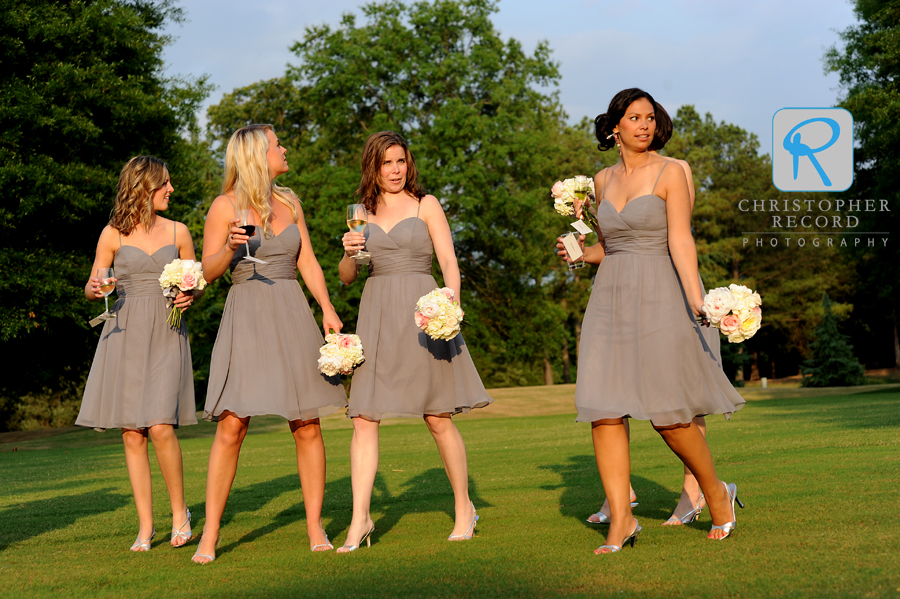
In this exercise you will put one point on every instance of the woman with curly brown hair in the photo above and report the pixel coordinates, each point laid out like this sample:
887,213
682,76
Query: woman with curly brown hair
406,373
141,379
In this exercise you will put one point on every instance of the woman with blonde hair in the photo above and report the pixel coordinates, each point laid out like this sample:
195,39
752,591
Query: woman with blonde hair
141,379
406,373
264,359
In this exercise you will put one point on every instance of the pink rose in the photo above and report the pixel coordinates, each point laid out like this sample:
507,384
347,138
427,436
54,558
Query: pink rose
448,293
421,321
188,281
557,189
431,309
346,342
729,324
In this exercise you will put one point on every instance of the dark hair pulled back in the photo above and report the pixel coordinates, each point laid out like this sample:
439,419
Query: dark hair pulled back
606,122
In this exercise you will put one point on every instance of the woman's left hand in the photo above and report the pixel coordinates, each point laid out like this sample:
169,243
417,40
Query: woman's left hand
330,321
183,300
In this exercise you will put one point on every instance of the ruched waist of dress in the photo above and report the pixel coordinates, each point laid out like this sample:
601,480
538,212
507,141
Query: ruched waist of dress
641,245
401,262
278,267
138,285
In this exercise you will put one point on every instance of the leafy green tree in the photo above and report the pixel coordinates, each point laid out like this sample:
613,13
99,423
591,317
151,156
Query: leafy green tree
869,68
833,363
82,91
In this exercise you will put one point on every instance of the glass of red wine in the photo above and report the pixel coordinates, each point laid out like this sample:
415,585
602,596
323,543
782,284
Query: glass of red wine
246,217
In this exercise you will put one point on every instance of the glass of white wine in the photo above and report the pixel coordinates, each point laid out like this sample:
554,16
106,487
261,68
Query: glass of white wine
246,218
357,219
107,284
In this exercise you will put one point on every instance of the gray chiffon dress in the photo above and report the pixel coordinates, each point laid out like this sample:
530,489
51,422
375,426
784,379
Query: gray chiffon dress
406,373
642,353
141,375
265,357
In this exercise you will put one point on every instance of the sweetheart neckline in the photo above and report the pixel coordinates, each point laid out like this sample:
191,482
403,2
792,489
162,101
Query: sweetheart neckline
397,224
146,253
649,195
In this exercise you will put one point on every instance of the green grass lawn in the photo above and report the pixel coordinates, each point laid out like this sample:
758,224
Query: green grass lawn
819,471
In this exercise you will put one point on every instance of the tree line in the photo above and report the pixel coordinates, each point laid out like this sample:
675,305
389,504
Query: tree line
83,90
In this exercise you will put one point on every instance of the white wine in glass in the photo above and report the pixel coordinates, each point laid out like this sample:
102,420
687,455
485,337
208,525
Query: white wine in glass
107,284
357,219
246,218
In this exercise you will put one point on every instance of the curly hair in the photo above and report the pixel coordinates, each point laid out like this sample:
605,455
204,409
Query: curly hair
140,178
247,175
606,122
372,158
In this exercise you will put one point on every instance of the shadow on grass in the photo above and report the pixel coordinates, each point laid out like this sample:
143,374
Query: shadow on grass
583,494
26,520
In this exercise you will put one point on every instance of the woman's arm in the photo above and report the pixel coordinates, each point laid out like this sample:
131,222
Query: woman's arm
221,238
681,242
348,268
592,254
103,258
314,278
185,252
432,213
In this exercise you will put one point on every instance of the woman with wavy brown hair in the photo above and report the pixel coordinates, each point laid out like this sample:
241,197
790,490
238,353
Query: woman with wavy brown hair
406,373
264,359
141,379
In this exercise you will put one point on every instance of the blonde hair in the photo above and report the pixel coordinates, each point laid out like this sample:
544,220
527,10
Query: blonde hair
247,175
373,156
140,178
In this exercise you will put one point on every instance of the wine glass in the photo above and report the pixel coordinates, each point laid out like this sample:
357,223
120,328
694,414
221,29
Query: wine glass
246,218
357,219
107,284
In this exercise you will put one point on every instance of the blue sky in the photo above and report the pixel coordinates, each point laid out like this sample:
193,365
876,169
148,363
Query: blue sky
739,61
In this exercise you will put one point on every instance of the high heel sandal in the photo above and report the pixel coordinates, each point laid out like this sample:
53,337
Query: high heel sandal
366,537
185,536
326,546
616,548
603,518
728,527
211,558
470,532
688,517
144,545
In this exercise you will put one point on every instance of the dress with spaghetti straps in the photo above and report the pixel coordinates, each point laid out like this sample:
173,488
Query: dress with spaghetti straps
406,373
642,354
265,357
141,375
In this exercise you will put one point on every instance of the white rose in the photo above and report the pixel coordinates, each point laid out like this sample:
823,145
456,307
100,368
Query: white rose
718,303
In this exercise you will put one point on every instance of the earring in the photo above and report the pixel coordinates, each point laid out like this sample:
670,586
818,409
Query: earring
616,135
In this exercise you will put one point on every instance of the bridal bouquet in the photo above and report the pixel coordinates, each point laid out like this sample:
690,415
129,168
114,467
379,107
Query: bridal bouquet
340,354
735,311
438,315
566,192
180,275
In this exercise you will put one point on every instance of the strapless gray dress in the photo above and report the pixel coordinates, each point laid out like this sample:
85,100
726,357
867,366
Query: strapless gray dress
265,357
141,375
642,354
406,373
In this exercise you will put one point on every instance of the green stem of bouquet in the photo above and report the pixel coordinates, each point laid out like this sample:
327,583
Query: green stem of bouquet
174,319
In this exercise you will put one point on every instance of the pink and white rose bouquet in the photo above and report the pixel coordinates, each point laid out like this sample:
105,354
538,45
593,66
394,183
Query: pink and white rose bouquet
735,311
566,192
180,276
341,354
438,315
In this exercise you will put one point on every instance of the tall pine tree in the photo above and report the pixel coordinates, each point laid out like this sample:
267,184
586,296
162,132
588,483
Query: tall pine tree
833,363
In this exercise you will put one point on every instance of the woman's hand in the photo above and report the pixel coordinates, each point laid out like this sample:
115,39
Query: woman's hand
330,320
184,299
353,243
237,236
561,248
94,285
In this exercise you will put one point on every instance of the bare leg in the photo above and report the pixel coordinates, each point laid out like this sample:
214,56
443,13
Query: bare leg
138,463
691,497
604,509
689,445
223,460
453,454
168,456
311,468
363,467
610,439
